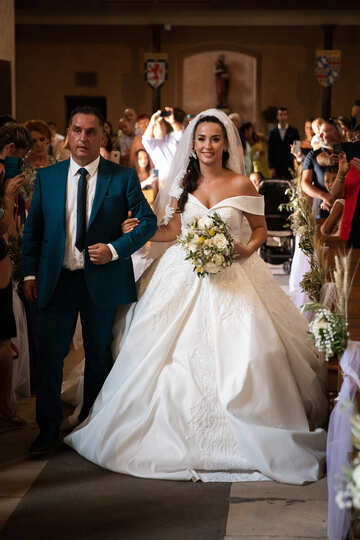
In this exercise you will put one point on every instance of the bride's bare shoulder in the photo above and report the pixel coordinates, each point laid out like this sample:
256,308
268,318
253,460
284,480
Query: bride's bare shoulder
244,186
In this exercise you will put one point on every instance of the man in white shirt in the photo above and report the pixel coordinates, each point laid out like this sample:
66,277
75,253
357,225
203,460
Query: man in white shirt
160,145
76,259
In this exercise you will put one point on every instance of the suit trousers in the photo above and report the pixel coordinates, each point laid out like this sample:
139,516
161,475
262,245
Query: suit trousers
56,329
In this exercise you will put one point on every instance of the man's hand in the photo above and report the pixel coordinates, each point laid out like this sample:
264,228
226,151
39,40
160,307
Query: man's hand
99,254
129,224
13,185
30,290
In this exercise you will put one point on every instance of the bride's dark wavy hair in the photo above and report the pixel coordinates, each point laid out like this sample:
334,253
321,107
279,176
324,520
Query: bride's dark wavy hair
191,178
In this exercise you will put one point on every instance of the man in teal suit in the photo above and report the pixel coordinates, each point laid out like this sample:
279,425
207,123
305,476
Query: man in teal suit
76,260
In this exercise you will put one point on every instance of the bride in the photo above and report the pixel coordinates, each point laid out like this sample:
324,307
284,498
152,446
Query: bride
215,378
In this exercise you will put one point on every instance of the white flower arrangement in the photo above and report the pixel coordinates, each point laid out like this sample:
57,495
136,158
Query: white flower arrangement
208,244
328,330
348,494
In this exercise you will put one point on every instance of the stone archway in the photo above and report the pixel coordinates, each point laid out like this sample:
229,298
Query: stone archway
199,82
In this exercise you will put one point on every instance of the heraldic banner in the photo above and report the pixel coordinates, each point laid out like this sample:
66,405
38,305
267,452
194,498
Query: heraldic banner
155,69
328,65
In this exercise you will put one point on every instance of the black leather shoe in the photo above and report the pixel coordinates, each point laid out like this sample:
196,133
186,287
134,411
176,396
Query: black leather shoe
44,445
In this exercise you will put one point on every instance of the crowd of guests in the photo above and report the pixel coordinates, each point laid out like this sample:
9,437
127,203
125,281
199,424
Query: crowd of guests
327,158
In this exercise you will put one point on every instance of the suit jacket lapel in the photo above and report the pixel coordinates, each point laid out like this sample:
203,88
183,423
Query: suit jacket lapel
103,180
59,190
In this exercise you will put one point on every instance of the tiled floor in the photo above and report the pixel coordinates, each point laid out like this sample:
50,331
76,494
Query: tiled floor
258,510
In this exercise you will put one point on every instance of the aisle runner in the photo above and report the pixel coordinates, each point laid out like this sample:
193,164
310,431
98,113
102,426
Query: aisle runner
74,499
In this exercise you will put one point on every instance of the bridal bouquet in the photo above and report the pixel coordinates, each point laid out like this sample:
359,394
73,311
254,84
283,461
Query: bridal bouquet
208,244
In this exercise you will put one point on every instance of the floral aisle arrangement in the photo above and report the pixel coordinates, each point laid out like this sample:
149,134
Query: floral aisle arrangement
208,244
303,225
329,328
348,493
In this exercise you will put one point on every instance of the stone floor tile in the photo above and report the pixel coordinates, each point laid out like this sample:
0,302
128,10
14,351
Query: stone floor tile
274,490
15,480
278,518
7,507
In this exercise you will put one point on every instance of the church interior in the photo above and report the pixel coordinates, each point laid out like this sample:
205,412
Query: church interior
248,59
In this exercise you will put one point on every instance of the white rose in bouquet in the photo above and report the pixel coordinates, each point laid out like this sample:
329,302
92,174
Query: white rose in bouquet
219,241
193,244
218,259
205,221
212,268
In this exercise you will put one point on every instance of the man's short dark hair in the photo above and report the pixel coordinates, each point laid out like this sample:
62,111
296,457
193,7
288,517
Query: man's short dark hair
282,109
14,133
357,102
179,115
5,119
87,109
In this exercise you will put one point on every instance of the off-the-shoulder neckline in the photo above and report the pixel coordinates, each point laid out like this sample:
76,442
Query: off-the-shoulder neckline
227,199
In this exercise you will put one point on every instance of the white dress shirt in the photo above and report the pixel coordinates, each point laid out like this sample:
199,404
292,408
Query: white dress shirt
162,151
73,258
283,131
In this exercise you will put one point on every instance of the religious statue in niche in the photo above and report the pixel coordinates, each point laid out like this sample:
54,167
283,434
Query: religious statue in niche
221,82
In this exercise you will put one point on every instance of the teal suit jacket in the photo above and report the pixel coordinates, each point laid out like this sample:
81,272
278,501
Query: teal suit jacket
117,191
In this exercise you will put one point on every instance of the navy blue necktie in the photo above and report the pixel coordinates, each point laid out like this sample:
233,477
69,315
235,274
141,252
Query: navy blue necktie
81,210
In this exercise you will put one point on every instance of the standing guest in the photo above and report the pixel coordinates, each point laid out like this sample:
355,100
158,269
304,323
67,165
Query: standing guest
302,150
257,149
38,156
125,140
143,169
235,118
131,116
14,142
256,178
281,138
316,141
344,125
347,186
141,126
106,146
312,179
159,144
81,203
355,114
55,137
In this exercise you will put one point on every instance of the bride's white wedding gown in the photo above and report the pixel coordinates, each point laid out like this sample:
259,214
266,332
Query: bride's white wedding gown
215,378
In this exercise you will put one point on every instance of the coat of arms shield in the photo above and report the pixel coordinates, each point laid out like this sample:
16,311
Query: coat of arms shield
328,65
155,69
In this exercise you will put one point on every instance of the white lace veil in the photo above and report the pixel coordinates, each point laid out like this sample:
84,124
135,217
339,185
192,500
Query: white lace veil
165,202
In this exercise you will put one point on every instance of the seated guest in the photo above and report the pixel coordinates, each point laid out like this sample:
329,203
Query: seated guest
331,225
38,156
281,138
